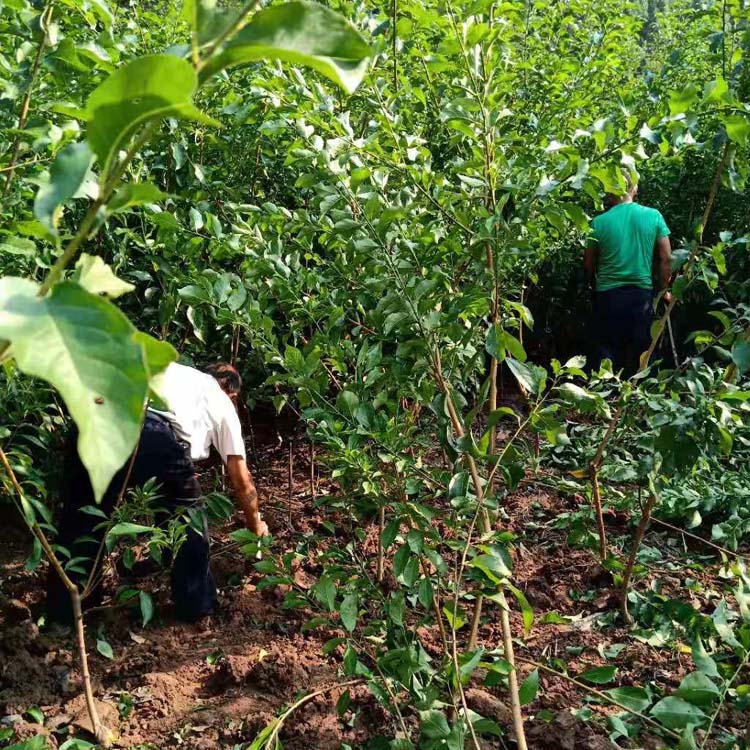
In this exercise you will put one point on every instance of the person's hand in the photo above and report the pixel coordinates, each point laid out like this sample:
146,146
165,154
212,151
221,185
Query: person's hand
262,529
667,297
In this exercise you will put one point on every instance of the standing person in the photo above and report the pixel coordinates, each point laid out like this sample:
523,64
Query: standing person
628,247
202,415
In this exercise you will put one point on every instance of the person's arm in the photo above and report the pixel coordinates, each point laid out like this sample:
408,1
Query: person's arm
591,260
663,256
245,493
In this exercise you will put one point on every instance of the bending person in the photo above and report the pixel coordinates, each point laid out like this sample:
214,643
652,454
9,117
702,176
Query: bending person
202,415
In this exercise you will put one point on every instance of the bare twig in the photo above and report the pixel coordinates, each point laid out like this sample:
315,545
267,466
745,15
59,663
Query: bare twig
101,732
26,104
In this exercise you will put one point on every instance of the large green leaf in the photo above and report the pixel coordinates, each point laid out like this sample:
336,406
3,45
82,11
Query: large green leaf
87,349
349,611
95,276
676,713
529,688
65,178
303,34
634,698
148,88
698,689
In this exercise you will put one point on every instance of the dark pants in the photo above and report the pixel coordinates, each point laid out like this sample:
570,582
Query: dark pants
159,456
622,326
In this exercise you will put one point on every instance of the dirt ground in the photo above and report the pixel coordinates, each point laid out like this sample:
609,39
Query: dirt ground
217,683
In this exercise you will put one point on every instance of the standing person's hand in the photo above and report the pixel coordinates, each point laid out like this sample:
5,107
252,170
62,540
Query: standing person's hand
667,297
261,528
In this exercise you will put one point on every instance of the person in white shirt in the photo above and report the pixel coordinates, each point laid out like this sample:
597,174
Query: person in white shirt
201,415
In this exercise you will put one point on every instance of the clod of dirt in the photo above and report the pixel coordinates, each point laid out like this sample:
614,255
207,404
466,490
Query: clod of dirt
487,705
14,611
80,719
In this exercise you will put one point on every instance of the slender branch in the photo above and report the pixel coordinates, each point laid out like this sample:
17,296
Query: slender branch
717,547
394,37
101,732
637,538
279,723
27,163
26,104
229,32
597,499
599,694
486,528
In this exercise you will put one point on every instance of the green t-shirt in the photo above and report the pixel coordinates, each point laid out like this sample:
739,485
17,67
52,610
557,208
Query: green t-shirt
625,237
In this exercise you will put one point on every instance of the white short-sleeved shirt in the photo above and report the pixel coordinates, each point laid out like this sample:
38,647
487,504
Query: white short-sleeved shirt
200,413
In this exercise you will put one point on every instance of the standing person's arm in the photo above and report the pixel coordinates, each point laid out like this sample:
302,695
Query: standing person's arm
663,262
591,260
591,256
245,494
663,256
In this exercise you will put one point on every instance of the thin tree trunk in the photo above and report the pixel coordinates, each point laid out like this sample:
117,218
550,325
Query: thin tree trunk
597,497
101,732
381,526
26,104
313,488
290,486
486,528
637,539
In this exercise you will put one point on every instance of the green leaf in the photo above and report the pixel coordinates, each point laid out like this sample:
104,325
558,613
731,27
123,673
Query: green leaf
681,101
349,611
633,698
129,529
65,178
104,648
583,400
325,592
527,613
531,377
34,743
206,20
493,566
95,276
35,714
347,402
147,607
697,689
529,688
702,660
87,349
499,341
676,713
148,88
600,675
300,33
738,129
433,724
741,355
134,194
17,246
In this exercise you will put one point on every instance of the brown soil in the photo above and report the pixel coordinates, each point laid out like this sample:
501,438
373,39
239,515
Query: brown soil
216,684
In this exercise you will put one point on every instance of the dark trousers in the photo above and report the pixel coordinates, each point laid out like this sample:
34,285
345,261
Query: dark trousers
622,326
159,456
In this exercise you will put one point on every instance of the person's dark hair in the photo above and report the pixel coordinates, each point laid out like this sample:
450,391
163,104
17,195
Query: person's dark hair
227,377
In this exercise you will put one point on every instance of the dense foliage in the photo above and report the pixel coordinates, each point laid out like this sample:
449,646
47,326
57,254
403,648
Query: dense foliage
377,259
